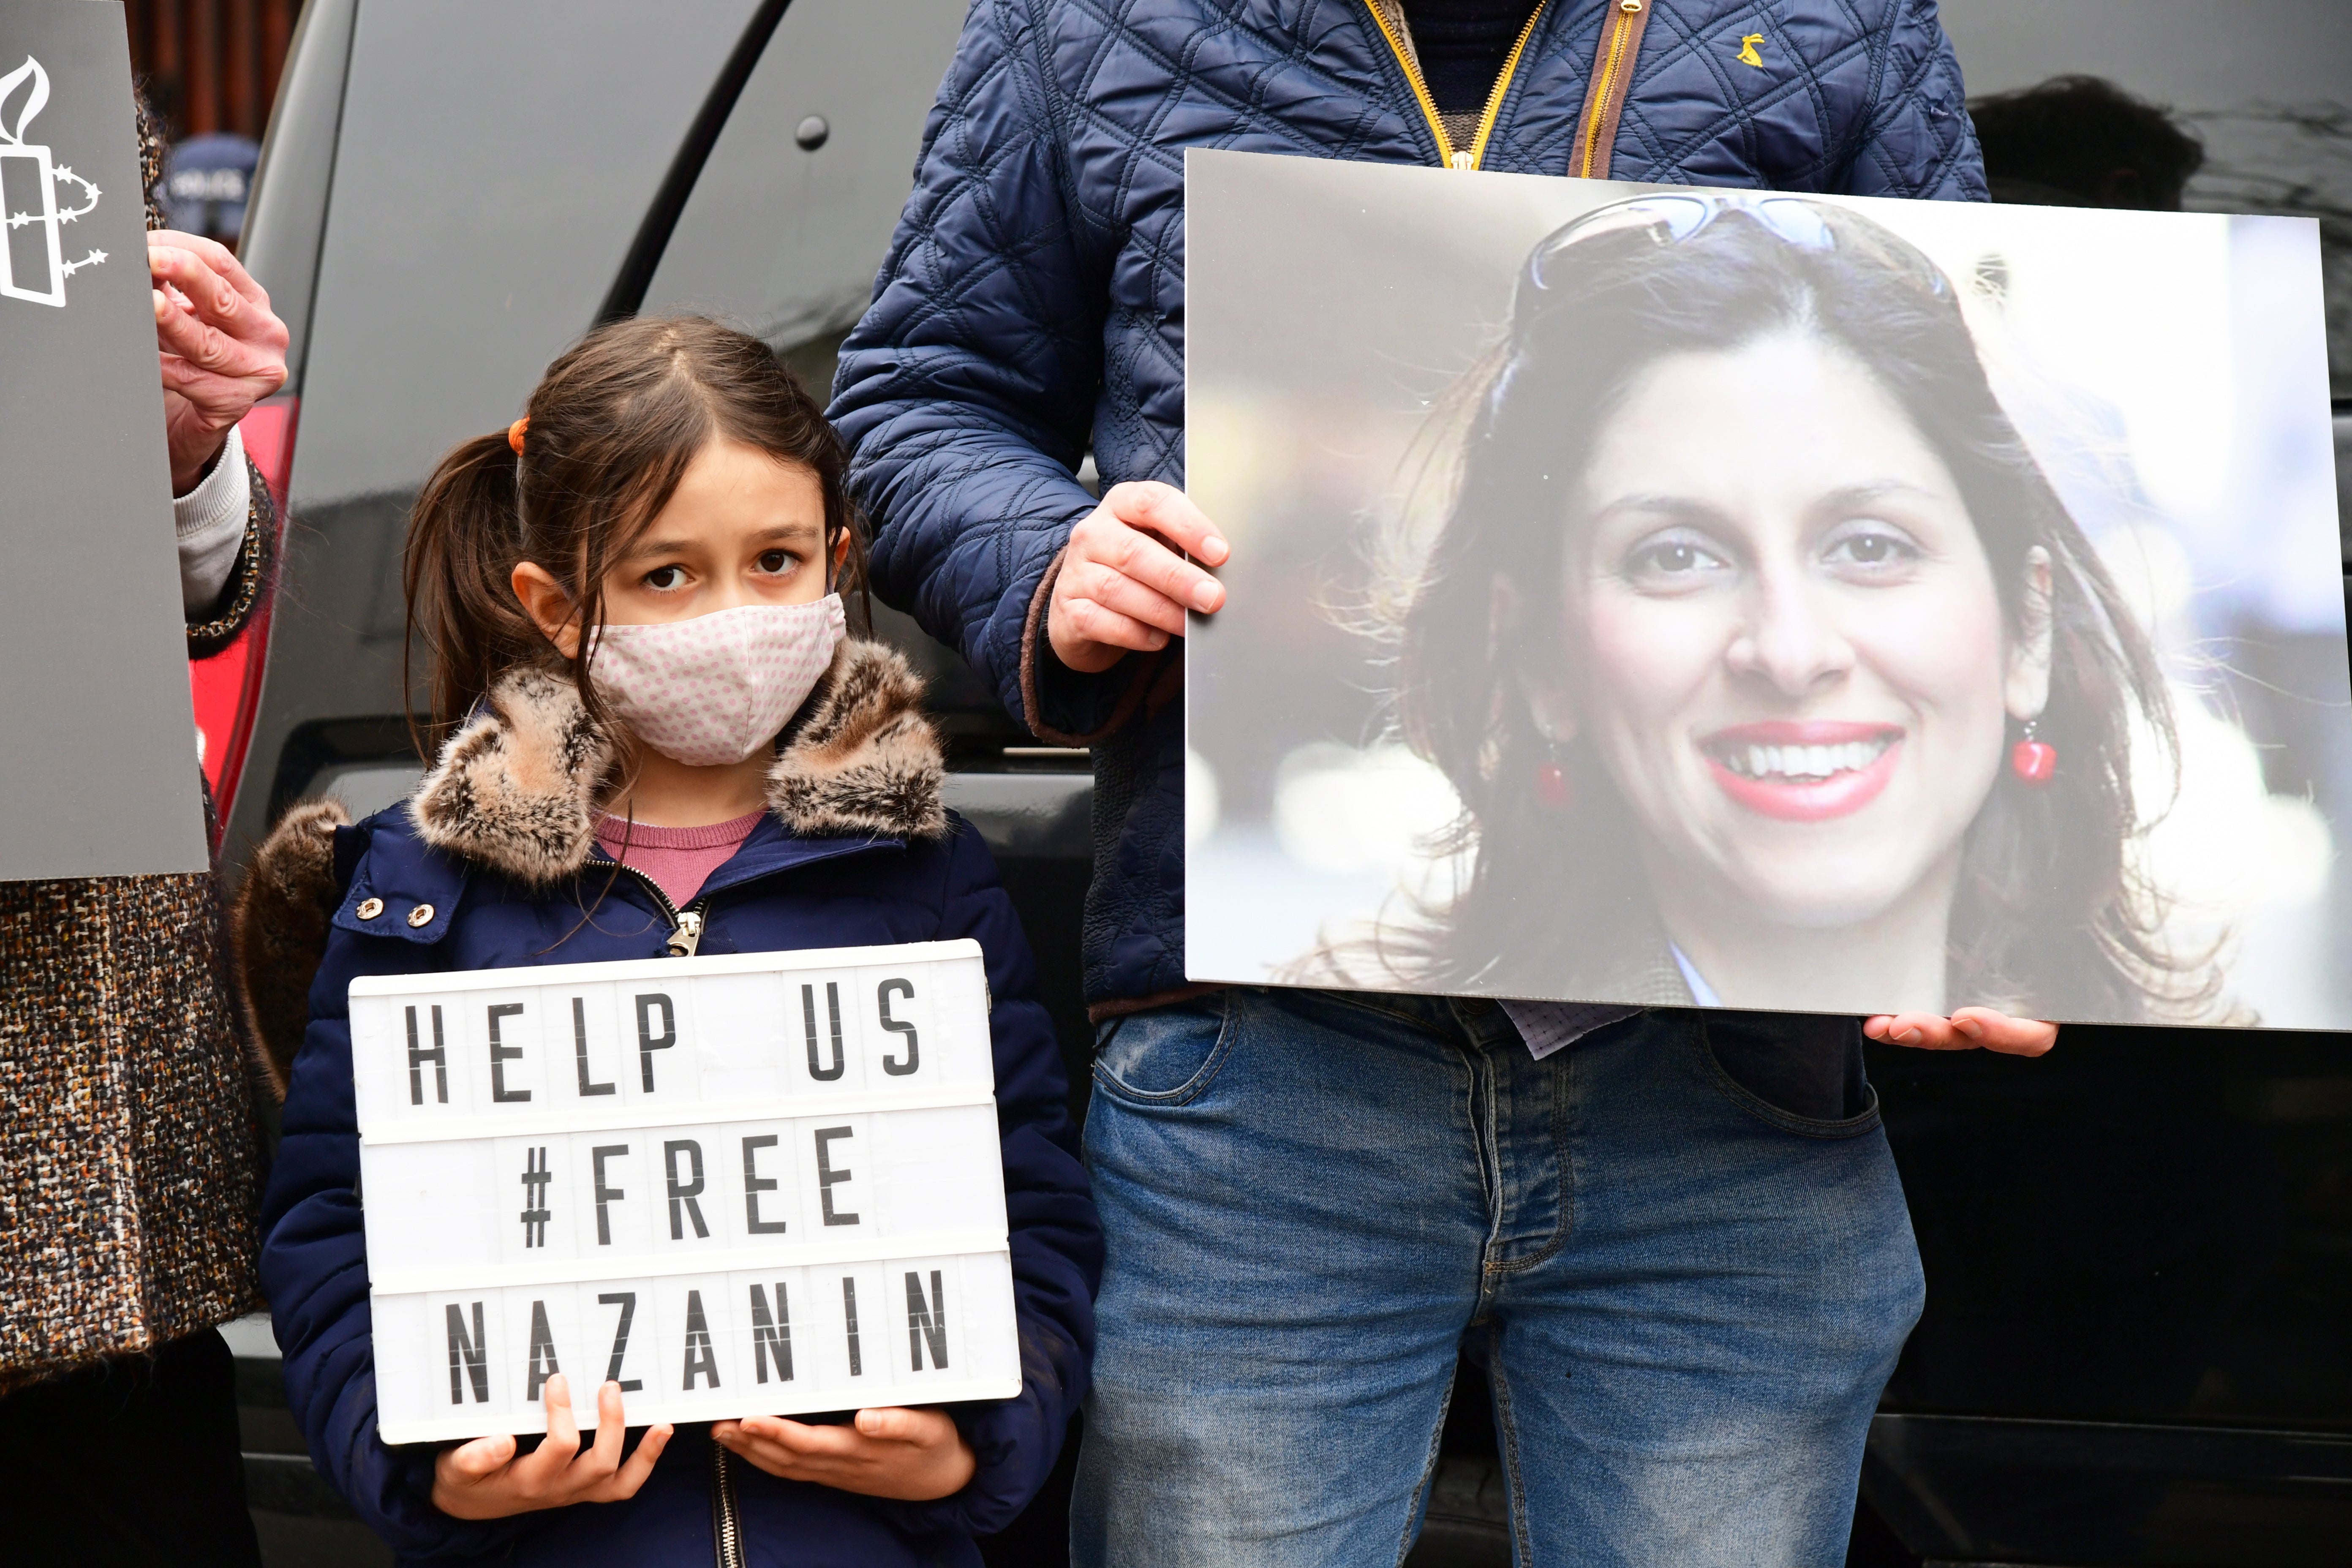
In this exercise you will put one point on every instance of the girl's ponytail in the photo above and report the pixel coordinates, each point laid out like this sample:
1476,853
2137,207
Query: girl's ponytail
464,540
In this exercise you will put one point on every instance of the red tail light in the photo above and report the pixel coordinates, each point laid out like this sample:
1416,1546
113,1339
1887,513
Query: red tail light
227,687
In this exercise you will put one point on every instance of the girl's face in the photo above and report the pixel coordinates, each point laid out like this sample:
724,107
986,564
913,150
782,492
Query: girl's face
1787,646
741,528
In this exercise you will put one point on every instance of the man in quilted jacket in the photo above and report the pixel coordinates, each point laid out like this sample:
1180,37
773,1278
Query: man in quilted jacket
1313,1202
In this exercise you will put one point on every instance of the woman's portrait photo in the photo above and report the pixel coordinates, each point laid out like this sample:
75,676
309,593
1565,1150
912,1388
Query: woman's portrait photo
1678,598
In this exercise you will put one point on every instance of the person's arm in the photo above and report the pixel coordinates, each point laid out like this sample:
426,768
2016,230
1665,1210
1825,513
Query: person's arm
219,349
209,523
314,1274
968,391
1916,137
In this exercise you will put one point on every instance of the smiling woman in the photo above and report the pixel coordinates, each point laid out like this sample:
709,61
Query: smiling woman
1811,695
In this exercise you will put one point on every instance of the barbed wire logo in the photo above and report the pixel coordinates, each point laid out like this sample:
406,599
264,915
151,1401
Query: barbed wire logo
29,184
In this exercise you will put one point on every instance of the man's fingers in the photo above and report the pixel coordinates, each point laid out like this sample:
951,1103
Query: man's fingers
216,259
1109,542
1169,513
1923,1031
2000,1032
1094,624
1121,594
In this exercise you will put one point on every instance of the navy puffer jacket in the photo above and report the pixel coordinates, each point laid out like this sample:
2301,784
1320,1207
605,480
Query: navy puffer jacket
856,850
1032,304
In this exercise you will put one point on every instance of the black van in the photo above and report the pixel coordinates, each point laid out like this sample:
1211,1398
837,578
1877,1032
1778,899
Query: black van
2137,1347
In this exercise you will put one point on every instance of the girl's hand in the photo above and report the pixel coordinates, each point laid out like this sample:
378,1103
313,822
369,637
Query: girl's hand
1122,586
913,1456
1965,1030
484,1479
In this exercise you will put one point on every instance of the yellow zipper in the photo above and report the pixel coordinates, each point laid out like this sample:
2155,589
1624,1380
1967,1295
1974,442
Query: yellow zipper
1446,155
1621,28
1502,85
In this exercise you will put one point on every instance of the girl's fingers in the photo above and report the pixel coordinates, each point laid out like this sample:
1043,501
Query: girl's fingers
632,1475
894,1423
603,1456
802,1439
482,1457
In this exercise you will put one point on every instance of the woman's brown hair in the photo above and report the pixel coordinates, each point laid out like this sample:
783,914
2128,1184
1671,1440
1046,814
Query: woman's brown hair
612,426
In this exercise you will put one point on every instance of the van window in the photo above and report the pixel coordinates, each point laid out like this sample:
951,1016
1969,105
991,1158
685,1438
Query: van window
2265,85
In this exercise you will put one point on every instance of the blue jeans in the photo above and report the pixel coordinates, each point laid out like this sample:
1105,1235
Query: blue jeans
1686,1300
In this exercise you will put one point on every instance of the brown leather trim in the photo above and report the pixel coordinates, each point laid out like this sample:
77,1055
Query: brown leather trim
1120,1006
1604,91
1032,709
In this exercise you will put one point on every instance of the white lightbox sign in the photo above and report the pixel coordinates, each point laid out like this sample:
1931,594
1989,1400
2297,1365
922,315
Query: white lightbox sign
755,1184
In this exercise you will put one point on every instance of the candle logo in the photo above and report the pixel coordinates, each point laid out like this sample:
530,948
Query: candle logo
32,259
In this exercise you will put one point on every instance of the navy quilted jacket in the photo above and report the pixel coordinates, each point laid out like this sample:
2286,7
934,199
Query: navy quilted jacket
780,891
1034,299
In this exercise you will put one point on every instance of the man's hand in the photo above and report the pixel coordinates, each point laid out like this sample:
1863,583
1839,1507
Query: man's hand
1965,1030
484,1479
1123,586
913,1456
223,350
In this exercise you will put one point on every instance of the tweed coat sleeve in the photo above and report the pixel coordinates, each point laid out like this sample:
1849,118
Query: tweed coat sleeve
1056,1239
968,391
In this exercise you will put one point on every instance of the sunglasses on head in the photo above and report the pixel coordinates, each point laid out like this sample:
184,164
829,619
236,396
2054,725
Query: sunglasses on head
1672,217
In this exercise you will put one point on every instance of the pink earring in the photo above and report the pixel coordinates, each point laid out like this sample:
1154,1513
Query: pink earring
2035,762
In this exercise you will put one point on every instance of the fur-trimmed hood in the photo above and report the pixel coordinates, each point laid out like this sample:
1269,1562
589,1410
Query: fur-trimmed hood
516,788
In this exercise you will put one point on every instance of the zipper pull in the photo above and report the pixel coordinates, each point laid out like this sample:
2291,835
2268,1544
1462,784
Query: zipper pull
1465,162
689,934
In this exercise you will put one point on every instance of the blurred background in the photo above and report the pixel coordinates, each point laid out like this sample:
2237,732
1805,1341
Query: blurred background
2168,369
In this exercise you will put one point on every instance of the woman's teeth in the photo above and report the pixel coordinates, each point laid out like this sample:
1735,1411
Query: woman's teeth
1803,761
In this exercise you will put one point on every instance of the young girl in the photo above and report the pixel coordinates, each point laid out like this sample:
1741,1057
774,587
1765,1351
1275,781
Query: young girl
658,742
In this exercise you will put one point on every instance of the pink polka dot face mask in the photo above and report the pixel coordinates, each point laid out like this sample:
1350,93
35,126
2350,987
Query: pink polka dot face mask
715,689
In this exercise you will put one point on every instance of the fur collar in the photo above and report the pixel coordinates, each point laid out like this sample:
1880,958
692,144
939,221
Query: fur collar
515,789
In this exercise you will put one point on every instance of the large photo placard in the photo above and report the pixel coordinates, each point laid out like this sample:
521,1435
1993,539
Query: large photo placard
763,1183
1657,596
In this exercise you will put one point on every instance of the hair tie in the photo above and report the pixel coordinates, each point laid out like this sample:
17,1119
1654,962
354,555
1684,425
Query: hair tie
514,433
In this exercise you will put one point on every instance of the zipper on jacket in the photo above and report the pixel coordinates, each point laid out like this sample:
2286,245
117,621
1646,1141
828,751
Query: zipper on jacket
685,925
1616,65
726,1524
1467,158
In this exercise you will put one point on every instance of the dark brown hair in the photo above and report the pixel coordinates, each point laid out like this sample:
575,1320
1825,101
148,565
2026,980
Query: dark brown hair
2049,915
614,425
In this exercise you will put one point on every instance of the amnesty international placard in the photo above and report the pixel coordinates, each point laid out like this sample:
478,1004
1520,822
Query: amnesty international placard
100,774
757,1183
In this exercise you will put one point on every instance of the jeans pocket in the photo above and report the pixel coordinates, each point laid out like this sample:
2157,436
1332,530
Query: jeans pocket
1167,1056
1752,1091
